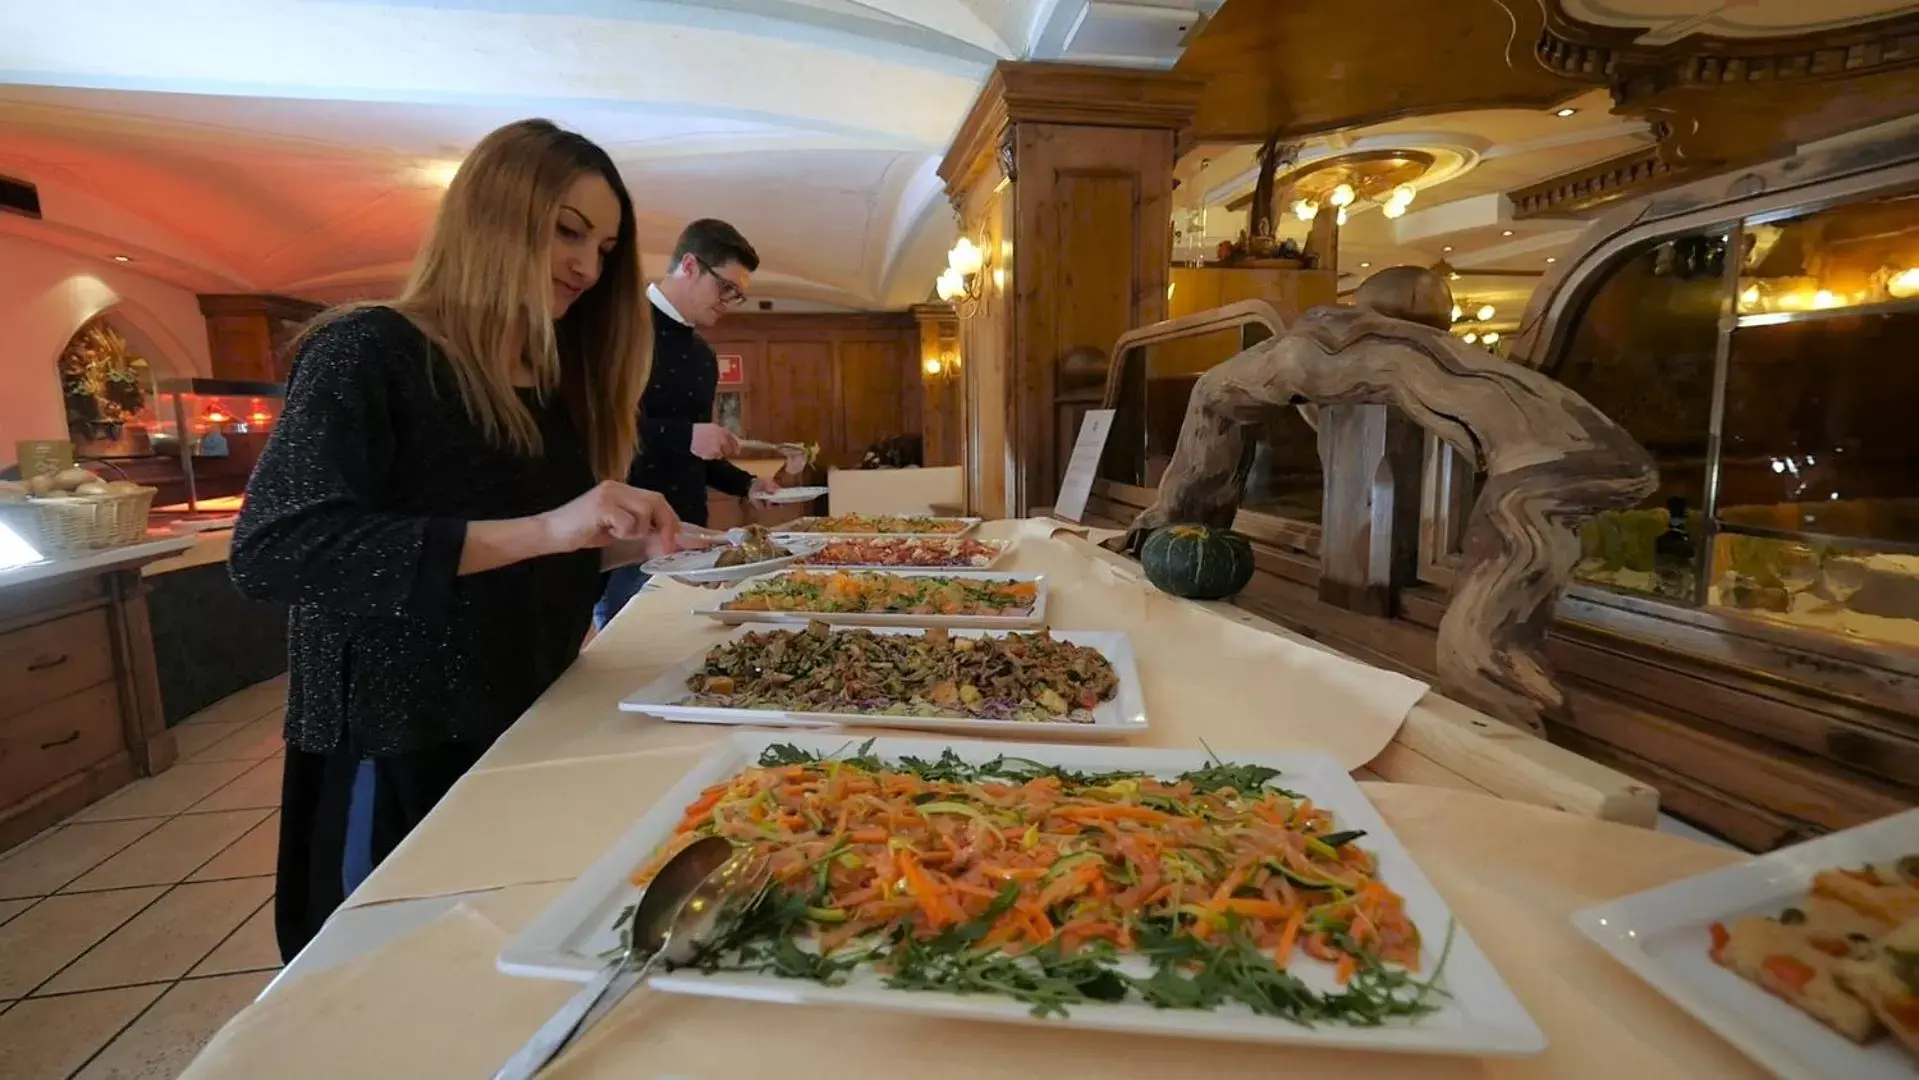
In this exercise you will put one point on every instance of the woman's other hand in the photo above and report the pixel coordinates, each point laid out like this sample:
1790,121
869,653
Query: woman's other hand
611,512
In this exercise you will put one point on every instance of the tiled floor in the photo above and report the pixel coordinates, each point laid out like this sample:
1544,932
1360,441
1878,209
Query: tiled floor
131,932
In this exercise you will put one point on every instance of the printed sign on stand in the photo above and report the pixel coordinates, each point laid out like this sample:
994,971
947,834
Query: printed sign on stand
1077,486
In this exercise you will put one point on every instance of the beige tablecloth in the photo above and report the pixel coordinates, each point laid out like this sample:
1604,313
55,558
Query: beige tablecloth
432,1004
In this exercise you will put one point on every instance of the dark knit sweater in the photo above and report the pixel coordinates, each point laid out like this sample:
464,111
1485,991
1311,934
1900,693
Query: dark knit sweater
678,395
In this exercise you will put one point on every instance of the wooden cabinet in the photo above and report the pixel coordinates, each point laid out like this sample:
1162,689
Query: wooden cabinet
248,335
79,697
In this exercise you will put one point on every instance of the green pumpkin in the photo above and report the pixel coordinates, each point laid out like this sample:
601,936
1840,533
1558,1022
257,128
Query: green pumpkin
1197,562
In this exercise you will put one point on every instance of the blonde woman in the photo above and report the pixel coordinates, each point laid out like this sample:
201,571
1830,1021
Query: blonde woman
440,499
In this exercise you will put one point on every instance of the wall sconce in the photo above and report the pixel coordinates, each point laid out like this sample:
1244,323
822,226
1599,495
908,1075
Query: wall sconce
960,283
945,364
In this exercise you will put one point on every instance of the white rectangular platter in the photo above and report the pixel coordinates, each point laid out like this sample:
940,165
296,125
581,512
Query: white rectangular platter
1002,550
1035,616
1119,718
970,523
1479,1017
1663,935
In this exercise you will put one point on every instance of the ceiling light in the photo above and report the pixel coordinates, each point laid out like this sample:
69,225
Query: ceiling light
1391,209
1485,313
1340,218
436,173
1458,313
1448,247
1506,232
1305,209
1342,196
1470,338
123,258
1364,265
1565,112
1550,260
1490,338
1404,193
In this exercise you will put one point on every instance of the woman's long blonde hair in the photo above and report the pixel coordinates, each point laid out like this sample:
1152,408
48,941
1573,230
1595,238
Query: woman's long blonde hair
481,288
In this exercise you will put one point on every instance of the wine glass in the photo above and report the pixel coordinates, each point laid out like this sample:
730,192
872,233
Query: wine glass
1843,577
1798,573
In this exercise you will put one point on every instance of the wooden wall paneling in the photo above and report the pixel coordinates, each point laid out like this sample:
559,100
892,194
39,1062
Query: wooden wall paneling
941,399
879,392
248,334
986,338
1094,264
800,383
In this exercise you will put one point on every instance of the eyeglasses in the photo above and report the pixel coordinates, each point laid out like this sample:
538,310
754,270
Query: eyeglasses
730,294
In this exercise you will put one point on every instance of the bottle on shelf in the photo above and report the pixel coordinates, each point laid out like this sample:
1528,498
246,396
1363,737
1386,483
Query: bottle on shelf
1674,558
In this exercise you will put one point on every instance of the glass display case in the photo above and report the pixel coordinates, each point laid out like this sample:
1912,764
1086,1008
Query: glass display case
215,429
1765,363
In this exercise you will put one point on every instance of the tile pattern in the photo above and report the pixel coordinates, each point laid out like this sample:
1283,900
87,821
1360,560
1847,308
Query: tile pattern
131,932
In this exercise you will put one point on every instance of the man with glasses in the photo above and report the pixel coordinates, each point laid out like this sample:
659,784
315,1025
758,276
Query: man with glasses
682,451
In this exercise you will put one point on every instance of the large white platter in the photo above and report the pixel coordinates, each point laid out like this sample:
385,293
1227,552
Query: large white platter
698,567
1005,551
1663,935
1119,718
1036,616
1480,1017
971,523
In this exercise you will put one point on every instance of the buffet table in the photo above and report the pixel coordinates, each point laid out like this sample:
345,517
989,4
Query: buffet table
402,983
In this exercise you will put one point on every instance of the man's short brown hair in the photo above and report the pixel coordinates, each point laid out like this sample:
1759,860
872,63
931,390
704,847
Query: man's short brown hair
715,243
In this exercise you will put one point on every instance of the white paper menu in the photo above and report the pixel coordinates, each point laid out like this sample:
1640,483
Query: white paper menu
1077,485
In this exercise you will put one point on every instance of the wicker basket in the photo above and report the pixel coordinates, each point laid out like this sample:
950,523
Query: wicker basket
80,523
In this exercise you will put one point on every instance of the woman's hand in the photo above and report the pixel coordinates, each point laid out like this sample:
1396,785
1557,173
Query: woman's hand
612,512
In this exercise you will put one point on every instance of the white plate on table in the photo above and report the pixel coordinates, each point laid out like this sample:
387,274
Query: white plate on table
696,567
1119,718
1480,1017
788,495
971,523
1001,550
1035,616
1663,935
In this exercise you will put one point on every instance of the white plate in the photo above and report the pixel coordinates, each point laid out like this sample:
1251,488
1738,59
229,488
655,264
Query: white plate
1116,719
972,523
1663,935
1004,550
789,495
1480,1017
1035,617
696,567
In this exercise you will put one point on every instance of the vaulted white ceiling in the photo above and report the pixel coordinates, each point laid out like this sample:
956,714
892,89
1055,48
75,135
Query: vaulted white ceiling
298,146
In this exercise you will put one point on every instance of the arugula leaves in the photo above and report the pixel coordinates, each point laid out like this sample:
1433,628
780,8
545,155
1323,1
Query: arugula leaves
1187,973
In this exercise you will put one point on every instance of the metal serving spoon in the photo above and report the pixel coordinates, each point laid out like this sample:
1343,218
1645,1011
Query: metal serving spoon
679,906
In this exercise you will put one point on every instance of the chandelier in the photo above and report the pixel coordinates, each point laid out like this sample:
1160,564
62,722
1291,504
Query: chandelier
1383,178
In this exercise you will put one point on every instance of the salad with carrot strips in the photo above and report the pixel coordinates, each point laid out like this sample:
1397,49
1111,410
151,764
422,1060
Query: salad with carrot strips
1056,887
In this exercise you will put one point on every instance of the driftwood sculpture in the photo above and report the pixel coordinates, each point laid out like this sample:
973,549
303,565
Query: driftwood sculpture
1551,461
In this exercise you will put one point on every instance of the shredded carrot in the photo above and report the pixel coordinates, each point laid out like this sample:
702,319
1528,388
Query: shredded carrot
1083,864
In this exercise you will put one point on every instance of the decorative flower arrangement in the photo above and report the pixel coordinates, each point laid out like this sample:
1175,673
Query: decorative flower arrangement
104,383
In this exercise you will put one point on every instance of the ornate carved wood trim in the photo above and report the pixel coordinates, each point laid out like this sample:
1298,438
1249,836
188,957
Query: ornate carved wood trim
1024,91
1573,193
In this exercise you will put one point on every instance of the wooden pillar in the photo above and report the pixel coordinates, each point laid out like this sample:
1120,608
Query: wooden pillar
940,362
1063,175
248,335
1369,535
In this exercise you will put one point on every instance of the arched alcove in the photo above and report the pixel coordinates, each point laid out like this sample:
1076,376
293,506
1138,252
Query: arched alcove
107,375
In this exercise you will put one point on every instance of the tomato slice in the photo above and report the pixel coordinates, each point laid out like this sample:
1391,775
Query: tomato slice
1720,937
1791,971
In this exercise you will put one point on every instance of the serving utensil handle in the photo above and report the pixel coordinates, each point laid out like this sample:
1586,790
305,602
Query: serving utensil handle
559,1029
